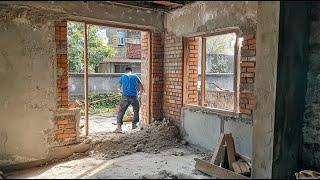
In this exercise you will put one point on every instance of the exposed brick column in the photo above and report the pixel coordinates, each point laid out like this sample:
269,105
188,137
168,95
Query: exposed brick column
62,63
192,69
247,65
144,75
157,77
173,77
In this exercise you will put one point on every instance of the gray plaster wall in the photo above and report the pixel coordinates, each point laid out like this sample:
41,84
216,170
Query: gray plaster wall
205,16
265,89
98,83
28,84
28,69
203,128
311,123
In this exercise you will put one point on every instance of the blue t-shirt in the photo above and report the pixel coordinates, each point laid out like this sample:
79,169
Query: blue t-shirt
129,84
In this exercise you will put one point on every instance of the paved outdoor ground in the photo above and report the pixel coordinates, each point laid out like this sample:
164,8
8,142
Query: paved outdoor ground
103,122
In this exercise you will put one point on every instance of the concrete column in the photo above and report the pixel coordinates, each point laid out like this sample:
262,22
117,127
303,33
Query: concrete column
265,88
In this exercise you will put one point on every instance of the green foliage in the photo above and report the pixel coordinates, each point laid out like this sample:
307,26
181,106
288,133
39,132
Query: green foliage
217,49
102,103
96,48
221,44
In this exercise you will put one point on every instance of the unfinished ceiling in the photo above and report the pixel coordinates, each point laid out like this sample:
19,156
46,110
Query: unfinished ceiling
164,6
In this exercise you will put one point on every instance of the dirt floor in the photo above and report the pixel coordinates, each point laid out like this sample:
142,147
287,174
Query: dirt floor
155,151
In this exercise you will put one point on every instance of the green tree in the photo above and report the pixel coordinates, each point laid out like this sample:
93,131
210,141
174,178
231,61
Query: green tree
96,48
218,47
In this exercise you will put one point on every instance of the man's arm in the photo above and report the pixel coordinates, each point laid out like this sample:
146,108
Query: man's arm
119,85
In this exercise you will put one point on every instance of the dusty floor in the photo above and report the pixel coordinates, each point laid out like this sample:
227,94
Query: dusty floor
102,122
165,164
155,151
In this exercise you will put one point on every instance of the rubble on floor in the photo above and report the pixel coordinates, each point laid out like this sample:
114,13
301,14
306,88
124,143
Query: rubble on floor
153,138
166,175
1,175
307,174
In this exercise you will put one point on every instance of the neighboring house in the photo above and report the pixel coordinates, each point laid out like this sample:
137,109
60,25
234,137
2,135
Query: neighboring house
128,46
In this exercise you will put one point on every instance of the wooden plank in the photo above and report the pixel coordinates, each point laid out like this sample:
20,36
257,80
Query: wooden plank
216,171
244,167
203,71
86,91
223,156
230,150
236,167
185,71
216,157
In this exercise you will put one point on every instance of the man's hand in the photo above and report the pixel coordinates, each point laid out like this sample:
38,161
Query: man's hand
119,91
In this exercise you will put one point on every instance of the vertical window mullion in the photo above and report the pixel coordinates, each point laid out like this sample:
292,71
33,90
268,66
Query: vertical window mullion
203,71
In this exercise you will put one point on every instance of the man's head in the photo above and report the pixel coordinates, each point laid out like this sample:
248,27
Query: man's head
128,69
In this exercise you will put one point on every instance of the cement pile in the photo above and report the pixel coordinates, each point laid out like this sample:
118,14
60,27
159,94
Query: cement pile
154,138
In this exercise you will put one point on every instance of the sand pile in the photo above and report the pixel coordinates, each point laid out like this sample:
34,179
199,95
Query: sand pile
156,137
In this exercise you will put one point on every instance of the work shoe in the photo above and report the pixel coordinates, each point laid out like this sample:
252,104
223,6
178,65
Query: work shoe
134,126
118,130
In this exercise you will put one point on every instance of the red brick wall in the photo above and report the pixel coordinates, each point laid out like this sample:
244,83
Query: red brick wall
65,132
156,71
144,75
133,51
173,77
247,68
66,125
62,63
157,76
192,69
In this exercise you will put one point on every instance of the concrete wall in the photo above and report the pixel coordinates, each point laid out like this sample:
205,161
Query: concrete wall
311,123
203,128
198,126
265,89
291,87
28,69
28,84
97,10
99,83
211,15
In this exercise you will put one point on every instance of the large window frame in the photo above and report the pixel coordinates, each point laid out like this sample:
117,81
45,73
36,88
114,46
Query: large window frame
236,79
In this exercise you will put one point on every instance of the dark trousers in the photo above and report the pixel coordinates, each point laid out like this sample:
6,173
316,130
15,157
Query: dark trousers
126,101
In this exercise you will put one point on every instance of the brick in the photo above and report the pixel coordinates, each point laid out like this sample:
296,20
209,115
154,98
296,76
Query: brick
247,64
245,111
250,75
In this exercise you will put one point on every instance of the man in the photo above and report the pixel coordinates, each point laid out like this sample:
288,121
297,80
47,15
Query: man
129,84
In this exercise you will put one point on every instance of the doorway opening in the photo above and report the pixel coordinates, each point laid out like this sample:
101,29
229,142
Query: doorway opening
96,61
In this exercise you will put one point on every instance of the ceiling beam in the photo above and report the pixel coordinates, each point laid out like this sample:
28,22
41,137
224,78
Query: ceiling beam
168,3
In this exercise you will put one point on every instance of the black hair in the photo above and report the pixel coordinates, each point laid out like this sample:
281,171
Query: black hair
129,69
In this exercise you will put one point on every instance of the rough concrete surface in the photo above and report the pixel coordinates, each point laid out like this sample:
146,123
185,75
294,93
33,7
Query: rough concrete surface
265,89
27,76
135,154
311,124
211,126
211,15
103,11
140,165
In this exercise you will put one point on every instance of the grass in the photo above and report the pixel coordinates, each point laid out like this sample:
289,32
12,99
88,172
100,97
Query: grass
102,103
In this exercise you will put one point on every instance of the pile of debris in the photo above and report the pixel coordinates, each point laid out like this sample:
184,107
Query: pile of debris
225,162
157,136
1,175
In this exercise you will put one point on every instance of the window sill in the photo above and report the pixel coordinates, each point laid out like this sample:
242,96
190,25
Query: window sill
215,111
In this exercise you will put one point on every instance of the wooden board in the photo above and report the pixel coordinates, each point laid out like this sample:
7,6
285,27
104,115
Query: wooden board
236,167
216,171
244,167
230,150
216,157
223,156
